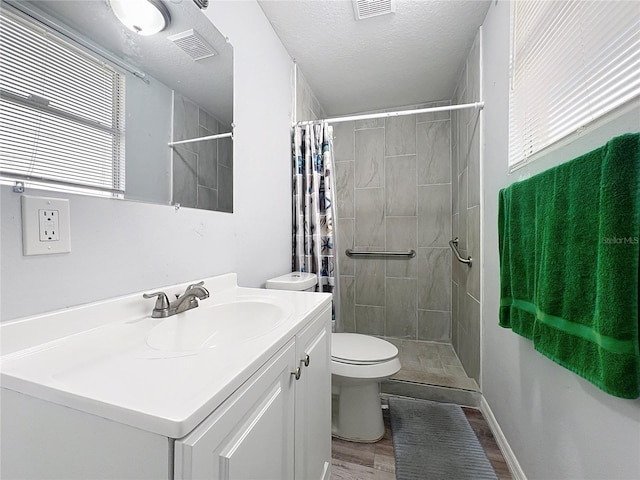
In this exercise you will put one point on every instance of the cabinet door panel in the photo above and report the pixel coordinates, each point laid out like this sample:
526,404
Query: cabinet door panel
251,435
255,448
313,401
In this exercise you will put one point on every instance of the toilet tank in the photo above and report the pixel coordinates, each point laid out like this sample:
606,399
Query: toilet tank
299,281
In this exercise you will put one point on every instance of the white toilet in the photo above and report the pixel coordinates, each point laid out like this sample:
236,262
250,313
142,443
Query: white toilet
298,281
358,364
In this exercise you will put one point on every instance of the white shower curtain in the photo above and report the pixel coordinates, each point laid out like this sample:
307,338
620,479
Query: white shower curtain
313,206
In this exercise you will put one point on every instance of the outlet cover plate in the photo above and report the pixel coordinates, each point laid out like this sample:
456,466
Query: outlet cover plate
32,209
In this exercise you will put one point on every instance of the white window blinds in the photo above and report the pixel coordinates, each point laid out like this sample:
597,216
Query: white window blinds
572,62
61,111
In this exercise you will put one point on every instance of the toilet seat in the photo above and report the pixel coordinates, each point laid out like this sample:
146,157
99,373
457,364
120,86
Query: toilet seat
358,349
359,356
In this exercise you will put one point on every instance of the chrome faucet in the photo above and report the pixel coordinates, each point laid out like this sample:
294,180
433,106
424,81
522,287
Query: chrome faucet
188,300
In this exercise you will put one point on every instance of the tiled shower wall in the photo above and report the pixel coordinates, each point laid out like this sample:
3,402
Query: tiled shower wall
393,181
307,105
202,171
466,127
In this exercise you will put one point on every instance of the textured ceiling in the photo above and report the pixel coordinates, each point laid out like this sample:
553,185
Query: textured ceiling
411,56
208,82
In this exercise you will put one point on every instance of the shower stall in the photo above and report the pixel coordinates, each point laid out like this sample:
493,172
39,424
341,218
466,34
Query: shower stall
410,182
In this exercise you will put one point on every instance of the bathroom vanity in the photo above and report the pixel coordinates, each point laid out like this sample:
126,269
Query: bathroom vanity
238,387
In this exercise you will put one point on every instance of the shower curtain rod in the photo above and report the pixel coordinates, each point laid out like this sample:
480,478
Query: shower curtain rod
202,139
445,108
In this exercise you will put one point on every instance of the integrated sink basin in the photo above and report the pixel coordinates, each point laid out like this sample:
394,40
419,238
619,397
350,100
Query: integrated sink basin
217,325
112,359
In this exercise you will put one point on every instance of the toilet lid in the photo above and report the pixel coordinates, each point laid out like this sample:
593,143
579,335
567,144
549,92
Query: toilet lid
357,348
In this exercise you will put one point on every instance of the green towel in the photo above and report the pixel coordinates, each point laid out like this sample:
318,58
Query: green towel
569,264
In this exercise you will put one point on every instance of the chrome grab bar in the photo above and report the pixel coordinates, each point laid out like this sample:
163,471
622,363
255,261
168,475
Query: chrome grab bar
351,253
454,246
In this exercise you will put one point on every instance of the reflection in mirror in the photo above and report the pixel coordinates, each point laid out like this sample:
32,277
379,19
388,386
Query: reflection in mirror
165,88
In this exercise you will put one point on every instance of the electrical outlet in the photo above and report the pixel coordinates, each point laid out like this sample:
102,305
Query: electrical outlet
49,221
45,225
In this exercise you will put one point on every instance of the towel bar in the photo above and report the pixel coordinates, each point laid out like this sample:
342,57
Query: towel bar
454,246
409,254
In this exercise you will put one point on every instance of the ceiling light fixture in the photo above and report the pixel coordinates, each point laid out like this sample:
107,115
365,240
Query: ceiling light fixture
145,17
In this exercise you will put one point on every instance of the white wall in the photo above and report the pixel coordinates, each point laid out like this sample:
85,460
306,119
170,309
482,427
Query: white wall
147,131
120,247
559,425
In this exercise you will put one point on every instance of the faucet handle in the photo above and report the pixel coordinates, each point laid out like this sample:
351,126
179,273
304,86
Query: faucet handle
161,308
200,284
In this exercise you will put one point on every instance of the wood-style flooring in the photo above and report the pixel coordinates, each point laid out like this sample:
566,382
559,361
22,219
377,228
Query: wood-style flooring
375,461
426,363
488,442
364,461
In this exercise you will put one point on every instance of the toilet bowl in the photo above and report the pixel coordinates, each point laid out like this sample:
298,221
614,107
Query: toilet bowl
358,364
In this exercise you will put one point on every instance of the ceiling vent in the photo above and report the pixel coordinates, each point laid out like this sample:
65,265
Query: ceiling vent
202,4
193,44
373,8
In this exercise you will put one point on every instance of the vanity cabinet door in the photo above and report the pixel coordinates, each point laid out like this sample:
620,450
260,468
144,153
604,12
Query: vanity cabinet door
250,436
313,401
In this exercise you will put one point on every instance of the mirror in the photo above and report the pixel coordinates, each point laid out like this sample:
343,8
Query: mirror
179,98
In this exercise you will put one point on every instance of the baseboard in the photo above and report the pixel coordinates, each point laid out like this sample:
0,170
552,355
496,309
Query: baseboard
507,453
326,475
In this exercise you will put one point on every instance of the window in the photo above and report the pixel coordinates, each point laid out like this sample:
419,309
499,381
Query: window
572,62
61,111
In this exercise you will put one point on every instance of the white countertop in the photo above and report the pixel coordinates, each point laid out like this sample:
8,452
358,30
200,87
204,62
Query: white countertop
95,358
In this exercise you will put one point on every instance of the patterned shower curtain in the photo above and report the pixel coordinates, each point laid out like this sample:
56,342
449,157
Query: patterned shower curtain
313,200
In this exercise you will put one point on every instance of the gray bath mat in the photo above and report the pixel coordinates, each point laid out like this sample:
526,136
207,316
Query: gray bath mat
435,441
